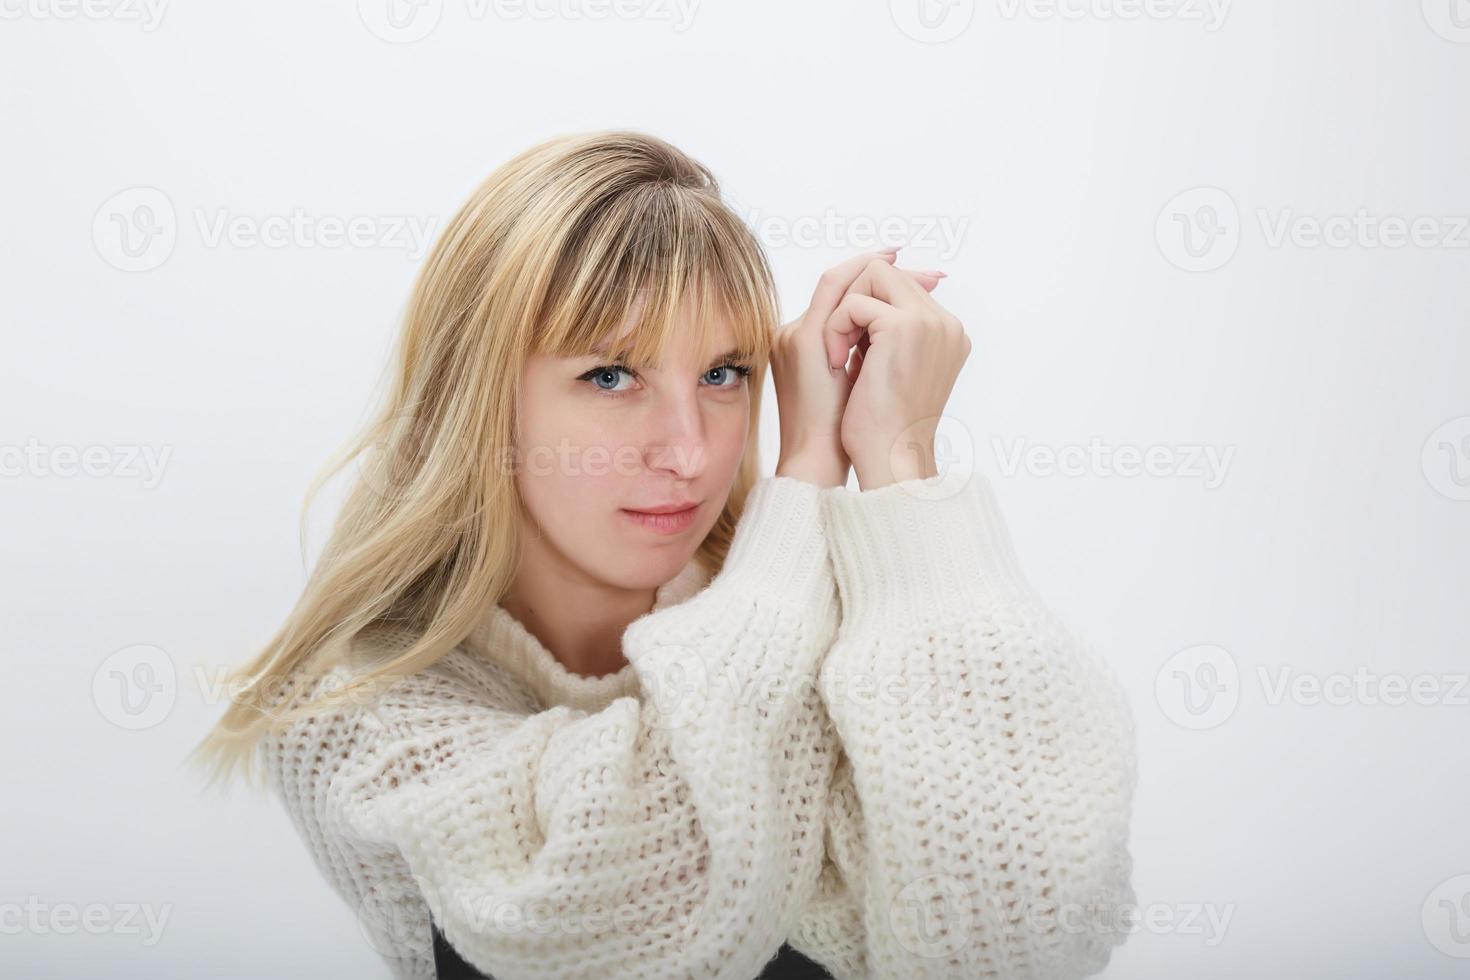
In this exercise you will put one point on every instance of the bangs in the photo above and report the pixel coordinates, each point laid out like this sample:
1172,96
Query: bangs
642,257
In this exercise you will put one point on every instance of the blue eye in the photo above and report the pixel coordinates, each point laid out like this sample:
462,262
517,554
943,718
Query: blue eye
601,373
737,371
609,372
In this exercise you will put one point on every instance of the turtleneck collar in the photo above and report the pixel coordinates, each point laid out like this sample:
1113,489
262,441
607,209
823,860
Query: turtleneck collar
504,640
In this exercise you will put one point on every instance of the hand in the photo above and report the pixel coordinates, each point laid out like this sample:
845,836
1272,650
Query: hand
810,392
910,351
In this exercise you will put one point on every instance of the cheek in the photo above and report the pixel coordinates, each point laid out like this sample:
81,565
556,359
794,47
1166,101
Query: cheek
727,435
573,459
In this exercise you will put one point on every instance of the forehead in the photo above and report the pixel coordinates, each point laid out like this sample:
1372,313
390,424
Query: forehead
696,338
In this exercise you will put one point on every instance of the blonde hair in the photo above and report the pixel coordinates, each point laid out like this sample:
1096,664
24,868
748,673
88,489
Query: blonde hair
554,253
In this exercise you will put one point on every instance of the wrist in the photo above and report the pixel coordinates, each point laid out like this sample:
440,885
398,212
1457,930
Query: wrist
822,470
884,469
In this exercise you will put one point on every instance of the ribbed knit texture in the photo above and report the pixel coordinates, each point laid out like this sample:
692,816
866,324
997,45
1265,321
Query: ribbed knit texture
865,737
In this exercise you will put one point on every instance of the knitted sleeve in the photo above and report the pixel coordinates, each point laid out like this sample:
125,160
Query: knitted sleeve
659,837
978,815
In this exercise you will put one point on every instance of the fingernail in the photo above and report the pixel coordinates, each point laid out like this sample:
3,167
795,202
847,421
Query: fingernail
936,273
890,250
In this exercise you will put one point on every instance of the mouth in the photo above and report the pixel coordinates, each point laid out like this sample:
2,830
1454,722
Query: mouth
667,519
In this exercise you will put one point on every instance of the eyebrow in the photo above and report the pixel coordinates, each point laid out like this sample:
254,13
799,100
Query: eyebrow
733,354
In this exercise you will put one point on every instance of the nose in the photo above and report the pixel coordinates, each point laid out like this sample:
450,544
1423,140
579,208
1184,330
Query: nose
679,444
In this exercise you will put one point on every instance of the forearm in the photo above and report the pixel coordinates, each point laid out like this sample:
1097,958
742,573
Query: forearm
991,750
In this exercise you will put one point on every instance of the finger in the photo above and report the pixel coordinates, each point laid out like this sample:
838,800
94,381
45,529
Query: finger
894,286
836,347
850,324
836,281
890,286
924,277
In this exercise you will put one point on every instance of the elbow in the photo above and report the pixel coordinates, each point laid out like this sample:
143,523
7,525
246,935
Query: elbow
1081,906
1063,900
1092,918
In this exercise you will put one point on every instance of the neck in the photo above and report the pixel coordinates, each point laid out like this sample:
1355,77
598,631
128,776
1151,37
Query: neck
580,622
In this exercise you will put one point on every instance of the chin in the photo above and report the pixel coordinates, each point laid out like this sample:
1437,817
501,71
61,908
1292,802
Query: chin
645,569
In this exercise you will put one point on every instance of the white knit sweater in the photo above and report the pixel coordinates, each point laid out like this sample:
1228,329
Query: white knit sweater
866,737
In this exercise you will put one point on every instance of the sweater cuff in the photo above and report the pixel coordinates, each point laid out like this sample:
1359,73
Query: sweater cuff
780,546
918,549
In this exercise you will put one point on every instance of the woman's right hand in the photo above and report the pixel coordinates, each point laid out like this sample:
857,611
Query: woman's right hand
811,394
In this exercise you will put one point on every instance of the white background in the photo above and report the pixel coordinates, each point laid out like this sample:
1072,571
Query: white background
1326,833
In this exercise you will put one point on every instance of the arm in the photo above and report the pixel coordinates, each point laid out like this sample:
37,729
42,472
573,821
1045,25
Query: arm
640,840
978,819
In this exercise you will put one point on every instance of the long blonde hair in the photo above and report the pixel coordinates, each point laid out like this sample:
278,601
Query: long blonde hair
557,250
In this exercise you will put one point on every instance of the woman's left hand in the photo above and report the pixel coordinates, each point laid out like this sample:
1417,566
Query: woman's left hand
910,351
810,393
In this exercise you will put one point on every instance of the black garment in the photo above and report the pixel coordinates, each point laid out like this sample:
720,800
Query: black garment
788,964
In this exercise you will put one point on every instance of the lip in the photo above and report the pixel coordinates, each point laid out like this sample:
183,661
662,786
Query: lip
664,520
673,508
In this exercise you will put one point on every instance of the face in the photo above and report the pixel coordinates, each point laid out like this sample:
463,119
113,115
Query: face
601,445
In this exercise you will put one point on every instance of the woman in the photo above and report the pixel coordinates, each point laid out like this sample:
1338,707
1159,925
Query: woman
574,691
